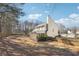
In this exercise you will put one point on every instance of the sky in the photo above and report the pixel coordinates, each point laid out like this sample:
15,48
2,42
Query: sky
64,13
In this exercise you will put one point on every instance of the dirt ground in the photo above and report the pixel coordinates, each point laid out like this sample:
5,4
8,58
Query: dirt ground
19,45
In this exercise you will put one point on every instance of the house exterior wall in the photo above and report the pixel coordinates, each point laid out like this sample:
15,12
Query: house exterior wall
40,29
52,28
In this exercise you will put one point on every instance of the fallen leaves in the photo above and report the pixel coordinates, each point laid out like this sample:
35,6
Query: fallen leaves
23,45
25,41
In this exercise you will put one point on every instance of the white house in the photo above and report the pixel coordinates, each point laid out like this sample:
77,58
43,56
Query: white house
50,28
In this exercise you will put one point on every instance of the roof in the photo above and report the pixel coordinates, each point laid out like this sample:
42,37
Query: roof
41,25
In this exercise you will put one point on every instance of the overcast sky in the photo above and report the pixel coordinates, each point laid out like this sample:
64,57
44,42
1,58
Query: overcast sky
66,13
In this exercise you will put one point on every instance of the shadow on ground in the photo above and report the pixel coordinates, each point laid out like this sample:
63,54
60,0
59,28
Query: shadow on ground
9,48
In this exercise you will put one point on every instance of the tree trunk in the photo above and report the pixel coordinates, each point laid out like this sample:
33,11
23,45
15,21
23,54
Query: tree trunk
0,28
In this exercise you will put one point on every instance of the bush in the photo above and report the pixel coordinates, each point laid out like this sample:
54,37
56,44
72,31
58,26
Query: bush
42,37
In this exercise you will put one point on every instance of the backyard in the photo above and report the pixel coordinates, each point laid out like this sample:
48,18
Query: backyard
22,45
18,21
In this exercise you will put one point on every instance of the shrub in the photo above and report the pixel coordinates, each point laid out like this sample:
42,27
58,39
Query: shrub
42,37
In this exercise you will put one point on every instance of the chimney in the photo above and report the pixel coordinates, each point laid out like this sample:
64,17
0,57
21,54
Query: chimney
47,19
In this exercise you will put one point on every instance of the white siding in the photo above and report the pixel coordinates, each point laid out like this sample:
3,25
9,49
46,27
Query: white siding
52,28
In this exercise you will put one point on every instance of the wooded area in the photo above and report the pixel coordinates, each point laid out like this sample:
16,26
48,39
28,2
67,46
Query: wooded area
9,23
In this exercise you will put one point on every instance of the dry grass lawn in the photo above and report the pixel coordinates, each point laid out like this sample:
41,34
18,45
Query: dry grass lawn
23,45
